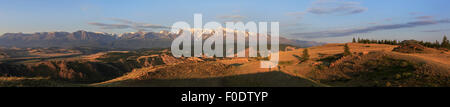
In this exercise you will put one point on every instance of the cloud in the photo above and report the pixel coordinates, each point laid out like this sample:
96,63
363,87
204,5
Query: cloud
298,15
415,13
336,7
347,32
127,24
424,17
231,17
373,23
150,26
122,21
110,26
388,19
437,30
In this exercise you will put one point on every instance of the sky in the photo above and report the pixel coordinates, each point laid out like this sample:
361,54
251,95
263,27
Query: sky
314,20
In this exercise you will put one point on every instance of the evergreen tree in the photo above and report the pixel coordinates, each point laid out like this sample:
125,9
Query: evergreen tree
436,44
305,55
445,43
347,50
354,41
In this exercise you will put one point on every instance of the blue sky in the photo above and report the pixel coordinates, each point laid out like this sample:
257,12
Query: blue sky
317,20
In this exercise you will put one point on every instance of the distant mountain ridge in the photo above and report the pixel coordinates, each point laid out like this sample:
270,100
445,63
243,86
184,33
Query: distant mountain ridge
87,39
133,40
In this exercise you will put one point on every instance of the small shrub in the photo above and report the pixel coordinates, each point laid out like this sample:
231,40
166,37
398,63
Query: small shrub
347,50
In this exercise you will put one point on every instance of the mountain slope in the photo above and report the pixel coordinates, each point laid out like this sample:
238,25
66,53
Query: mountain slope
137,40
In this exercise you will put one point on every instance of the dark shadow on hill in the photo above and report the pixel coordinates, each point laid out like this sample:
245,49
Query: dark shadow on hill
266,79
330,59
378,69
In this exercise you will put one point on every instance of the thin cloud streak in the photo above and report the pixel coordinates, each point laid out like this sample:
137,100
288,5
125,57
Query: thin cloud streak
437,30
348,32
336,7
127,24
424,17
231,17
298,15
110,26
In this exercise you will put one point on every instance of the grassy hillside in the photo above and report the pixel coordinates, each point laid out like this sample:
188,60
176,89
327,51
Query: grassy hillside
265,79
382,69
